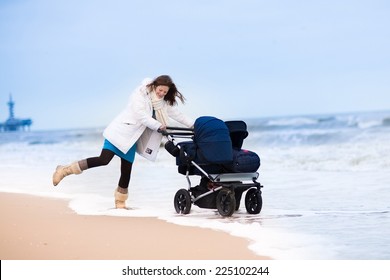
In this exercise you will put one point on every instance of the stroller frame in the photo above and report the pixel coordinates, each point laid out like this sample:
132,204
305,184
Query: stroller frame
225,189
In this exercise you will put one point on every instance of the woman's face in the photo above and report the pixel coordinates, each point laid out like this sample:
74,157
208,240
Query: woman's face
161,91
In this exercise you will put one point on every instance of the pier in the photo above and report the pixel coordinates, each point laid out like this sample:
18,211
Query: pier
12,123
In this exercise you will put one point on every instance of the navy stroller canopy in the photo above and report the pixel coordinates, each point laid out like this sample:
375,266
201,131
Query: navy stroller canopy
212,140
238,132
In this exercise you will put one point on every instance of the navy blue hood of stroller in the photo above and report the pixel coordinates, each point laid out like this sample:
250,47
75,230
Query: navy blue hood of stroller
211,143
212,138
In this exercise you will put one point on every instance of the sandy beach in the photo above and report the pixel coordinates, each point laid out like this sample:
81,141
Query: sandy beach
37,228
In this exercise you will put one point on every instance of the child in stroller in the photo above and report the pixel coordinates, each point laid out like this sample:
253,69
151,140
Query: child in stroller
226,170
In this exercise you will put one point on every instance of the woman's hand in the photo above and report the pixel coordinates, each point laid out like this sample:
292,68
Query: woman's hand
162,127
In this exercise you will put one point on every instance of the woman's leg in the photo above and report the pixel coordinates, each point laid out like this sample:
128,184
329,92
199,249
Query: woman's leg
124,180
104,159
78,167
121,193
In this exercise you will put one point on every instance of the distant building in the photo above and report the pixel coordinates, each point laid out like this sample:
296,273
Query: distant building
12,123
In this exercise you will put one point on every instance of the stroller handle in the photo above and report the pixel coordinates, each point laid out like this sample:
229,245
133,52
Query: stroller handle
183,131
179,128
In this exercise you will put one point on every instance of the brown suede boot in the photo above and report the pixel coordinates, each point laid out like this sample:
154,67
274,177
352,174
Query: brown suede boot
63,171
120,198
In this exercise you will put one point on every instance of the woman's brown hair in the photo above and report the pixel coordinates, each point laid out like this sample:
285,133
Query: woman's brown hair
170,97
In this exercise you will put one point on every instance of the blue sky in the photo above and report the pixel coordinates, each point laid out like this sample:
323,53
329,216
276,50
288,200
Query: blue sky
71,64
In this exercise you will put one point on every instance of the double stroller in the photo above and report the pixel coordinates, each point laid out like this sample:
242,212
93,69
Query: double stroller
213,151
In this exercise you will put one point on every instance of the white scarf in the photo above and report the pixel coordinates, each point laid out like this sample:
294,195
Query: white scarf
158,106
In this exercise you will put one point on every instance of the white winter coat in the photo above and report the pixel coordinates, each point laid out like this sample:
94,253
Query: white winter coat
124,131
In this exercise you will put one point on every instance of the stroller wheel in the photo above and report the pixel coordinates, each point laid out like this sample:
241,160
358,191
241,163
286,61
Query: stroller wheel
253,201
226,202
182,202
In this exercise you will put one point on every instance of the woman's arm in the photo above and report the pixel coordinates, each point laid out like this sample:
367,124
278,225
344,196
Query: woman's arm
175,114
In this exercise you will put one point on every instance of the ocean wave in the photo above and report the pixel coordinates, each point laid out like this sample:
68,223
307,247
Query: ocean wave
40,142
301,123
295,122
360,121
303,137
369,124
368,120
50,137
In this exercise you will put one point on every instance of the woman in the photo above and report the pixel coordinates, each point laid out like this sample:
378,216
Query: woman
134,130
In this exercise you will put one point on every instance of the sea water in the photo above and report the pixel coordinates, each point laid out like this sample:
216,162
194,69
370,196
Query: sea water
326,184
